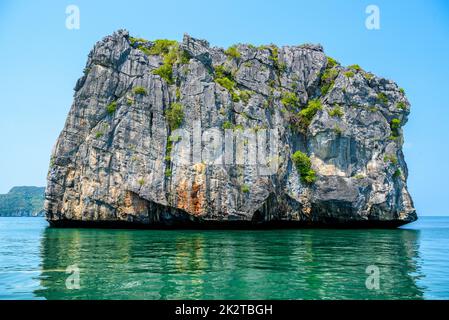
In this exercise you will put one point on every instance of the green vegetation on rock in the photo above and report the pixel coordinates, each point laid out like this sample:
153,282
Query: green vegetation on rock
165,72
171,54
226,83
140,91
310,111
395,125
245,95
140,44
168,173
368,76
338,130
274,56
233,52
228,125
112,107
355,67
183,57
290,100
175,115
225,79
401,105
397,173
331,62
382,97
134,40
391,158
349,74
328,78
162,46
336,112
304,166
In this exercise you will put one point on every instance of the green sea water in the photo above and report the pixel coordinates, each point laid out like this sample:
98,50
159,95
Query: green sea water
413,263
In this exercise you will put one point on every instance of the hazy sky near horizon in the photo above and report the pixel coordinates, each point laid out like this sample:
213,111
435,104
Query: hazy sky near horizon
40,61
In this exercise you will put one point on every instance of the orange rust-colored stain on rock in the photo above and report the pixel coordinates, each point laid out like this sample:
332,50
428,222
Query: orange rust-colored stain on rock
182,195
191,198
132,203
307,211
197,198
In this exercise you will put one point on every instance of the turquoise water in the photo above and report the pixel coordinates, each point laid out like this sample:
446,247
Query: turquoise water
413,263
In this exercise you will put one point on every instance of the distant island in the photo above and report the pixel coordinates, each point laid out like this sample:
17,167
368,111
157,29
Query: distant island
22,202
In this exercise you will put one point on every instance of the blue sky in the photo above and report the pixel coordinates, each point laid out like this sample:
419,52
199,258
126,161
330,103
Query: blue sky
40,61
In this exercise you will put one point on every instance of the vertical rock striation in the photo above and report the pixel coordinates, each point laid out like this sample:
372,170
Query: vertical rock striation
184,134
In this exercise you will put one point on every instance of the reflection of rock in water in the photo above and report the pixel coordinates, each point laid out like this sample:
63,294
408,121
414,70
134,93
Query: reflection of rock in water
283,264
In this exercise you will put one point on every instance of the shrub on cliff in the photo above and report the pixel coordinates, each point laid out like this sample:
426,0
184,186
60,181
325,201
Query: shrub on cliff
290,100
395,125
169,59
225,79
141,44
226,83
232,52
274,55
134,40
168,173
328,79
171,54
227,125
336,112
355,67
140,90
331,62
310,111
245,95
397,173
391,158
382,97
304,166
162,46
165,72
401,105
329,75
175,115
110,108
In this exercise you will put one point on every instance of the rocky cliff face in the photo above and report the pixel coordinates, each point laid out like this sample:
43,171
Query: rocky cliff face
184,134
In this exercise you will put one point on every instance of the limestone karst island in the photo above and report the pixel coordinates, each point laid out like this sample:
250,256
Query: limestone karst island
167,134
